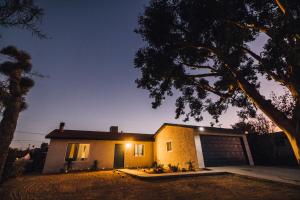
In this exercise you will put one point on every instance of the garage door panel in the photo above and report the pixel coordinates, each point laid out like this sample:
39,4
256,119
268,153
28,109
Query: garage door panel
223,150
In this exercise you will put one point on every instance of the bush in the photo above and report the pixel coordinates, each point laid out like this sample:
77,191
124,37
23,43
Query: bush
183,170
191,166
19,168
95,165
174,168
68,166
157,168
38,156
14,169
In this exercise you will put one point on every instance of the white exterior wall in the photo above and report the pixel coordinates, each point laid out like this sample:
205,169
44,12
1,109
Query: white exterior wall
101,150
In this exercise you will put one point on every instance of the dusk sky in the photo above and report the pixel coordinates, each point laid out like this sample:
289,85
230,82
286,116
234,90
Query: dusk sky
89,60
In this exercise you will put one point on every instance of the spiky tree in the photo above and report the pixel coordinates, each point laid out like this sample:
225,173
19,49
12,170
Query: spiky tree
201,48
15,85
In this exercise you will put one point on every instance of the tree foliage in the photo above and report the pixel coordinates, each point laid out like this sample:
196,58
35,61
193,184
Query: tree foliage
23,14
263,125
16,84
259,125
201,49
189,42
15,81
19,64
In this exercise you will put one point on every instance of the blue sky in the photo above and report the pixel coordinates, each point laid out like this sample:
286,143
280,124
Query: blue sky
89,58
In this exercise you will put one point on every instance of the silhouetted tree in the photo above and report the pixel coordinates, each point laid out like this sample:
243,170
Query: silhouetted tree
260,125
22,14
201,48
12,97
14,84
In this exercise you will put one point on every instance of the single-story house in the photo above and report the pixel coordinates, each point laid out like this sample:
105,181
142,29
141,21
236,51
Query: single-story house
171,144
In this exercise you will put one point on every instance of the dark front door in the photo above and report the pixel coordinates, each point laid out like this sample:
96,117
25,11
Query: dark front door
119,156
223,150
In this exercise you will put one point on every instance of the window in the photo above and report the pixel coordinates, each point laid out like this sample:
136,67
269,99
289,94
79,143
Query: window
76,151
138,150
169,146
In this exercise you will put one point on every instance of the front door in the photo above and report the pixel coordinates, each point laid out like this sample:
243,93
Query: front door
119,156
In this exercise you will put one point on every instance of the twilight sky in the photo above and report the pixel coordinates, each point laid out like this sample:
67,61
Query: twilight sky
89,59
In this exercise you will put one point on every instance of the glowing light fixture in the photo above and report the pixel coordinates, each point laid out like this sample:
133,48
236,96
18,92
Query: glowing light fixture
128,145
201,128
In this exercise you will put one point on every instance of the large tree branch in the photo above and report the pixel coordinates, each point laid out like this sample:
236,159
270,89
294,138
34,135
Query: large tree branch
203,75
251,92
264,105
251,26
199,66
281,7
261,61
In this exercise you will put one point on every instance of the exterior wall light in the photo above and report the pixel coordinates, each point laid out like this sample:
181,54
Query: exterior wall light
201,128
128,145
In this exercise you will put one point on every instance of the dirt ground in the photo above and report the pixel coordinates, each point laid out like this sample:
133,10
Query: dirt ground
109,185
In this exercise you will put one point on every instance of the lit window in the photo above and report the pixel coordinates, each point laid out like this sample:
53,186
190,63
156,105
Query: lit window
169,146
76,151
138,150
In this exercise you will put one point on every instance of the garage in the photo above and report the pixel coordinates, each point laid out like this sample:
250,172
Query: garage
223,150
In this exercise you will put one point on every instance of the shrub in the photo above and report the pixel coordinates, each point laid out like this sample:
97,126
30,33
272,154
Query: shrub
95,165
19,168
183,170
14,169
174,168
154,164
68,165
38,156
191,166
158,168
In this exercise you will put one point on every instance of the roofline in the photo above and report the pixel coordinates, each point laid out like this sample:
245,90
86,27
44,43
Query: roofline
193,127
97,132
48,136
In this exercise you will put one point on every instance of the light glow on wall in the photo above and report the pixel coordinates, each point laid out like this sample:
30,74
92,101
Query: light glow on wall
128,145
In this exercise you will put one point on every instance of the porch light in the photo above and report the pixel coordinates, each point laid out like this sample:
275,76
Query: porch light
128,145
201,128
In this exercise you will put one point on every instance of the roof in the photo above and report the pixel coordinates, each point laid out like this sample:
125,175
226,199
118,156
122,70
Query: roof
207,129
98,135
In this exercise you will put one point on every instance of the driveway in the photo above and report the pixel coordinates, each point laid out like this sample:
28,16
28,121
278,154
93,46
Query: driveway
278,174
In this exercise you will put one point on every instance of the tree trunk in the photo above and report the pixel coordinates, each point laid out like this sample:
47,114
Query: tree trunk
9,119
294,139
289,126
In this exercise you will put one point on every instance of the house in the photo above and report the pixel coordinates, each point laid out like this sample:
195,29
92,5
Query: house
171,144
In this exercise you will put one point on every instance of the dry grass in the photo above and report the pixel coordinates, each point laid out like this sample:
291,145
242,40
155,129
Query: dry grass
109,185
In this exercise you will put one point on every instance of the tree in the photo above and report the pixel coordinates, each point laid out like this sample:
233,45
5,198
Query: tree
14,84
201,49
260,125
14,88
23,14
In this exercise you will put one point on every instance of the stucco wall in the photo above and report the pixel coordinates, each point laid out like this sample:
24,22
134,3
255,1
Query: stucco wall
102,151
183,146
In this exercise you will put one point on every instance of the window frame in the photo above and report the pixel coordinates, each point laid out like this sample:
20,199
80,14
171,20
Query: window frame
171,149
77,148
137,154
